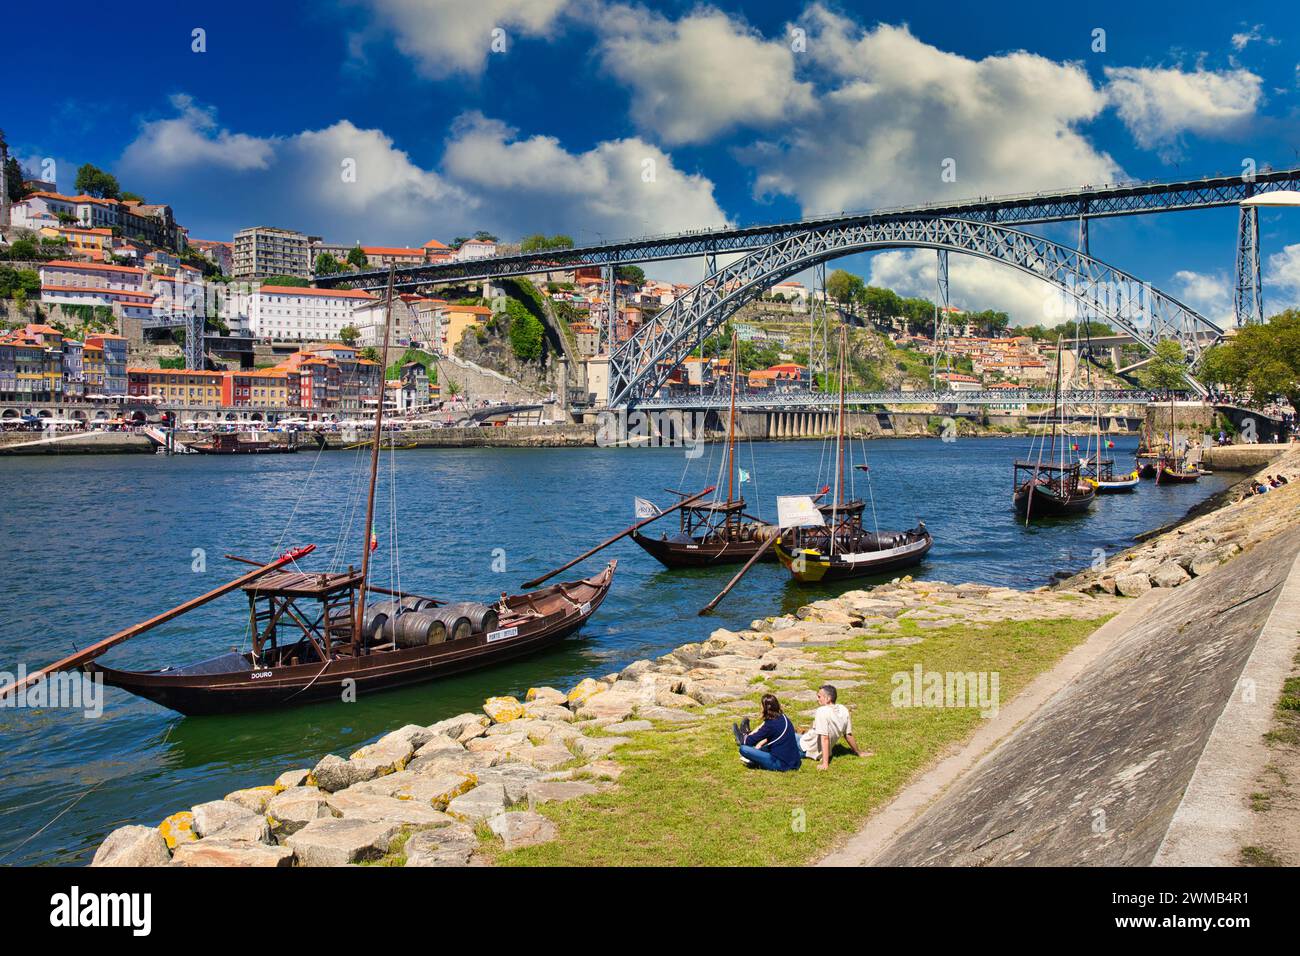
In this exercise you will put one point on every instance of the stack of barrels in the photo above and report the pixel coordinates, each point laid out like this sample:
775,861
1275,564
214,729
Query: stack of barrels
418,622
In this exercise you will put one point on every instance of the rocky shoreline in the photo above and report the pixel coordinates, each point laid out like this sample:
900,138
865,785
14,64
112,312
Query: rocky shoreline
446,794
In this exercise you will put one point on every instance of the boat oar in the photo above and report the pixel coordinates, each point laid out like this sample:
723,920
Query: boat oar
95,650
708,608
622,534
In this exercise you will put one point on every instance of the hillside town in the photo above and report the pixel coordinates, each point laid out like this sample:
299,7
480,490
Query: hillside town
99,288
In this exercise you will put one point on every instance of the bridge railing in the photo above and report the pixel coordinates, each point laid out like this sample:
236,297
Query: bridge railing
797,399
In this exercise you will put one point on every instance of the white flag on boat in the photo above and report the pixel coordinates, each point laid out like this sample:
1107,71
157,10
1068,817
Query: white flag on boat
797,511
646,508
744,475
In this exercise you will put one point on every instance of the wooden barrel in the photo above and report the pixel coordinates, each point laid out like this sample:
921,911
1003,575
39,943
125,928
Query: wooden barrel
418,628
418,603
455,622
378,616
481,616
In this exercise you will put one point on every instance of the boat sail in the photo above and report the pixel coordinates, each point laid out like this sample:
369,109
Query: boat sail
314,634
839,547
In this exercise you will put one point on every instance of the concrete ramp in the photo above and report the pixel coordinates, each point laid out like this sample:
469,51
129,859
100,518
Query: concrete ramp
1098,775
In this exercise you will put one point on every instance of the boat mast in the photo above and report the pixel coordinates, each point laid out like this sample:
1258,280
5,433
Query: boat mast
839,446
374,458
731,422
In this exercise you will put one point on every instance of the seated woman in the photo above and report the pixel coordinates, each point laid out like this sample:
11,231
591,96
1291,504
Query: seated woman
775,744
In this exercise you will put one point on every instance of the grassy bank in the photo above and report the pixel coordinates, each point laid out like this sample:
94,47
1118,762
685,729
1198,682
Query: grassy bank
684,799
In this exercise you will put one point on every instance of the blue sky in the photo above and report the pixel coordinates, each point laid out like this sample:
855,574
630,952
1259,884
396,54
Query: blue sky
742,112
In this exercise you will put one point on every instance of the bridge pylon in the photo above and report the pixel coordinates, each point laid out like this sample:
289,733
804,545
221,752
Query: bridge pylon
1249,299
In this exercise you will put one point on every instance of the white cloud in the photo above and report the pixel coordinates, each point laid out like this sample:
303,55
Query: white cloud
1284,273
193,137
489,179
700,76
617,188
1253,34
1210,294
973,285
896,108
1159,105
446,37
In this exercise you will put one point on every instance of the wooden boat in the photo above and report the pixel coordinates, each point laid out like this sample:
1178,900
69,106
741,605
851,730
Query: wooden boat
715,532
1176,472
843,548
840,547
1124,484
313,634
307,649
230,443
1042,490
1052,486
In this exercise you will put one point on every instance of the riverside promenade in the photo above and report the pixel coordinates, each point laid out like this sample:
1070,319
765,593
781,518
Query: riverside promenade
1120,730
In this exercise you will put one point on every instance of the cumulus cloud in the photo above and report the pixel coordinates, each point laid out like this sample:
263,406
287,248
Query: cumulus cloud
192,137
1284,273
1210,294
973,285
701,76
1160,105
348,183
1250,35
896,108
446,37
619,187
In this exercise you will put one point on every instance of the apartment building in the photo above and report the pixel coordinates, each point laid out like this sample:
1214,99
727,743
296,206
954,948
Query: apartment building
264,251
301,313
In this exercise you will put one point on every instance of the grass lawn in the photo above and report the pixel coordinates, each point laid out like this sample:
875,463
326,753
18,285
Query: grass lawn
684,798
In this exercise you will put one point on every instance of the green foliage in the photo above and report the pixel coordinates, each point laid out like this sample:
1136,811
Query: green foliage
177,362
14,180
349,334
327,265
131,196
1261,362
284,280
525,332
1167,369
633,274
844,287
23,249
357,258
541,243
12,281
93,181
394,371
369,353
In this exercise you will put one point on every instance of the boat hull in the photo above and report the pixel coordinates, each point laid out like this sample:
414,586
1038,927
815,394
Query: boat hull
1127,486
1166,476
809,566
193,692
699,554
1047,502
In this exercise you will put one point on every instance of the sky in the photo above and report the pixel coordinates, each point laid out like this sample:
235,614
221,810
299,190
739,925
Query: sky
392,122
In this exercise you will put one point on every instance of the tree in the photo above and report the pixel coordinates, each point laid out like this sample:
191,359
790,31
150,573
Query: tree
349,334
327,265
13,281
22,249
357,258
93,181
483,236
844,287
369,353
1167,369
1261,362
284,280
881,303
633,274
541,243
14,180
125,196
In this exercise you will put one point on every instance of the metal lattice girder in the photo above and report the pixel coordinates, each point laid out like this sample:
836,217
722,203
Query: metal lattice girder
817,400
641,364
195,356
1249,299
1027,209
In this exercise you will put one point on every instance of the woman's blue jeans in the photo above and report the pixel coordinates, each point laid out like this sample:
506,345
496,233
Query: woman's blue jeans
759,758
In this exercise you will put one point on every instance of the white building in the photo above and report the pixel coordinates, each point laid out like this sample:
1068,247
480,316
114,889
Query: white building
369,317
302,314
476,249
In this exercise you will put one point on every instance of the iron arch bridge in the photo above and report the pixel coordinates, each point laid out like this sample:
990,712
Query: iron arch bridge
643,363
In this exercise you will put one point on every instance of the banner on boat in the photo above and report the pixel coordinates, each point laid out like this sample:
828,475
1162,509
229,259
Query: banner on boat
646,508
797,511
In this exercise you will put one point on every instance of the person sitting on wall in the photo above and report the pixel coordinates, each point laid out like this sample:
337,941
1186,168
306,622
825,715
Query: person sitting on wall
774,745
831,723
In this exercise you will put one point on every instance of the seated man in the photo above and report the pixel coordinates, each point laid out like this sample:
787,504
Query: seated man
831,723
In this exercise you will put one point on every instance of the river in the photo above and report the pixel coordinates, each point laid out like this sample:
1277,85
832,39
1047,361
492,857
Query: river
93,544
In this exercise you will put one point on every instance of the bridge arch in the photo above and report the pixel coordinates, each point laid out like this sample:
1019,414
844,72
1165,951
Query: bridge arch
641,364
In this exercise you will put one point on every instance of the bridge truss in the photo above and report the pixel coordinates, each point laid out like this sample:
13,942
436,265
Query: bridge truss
643,363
